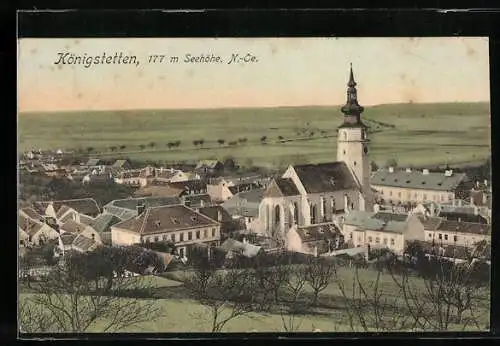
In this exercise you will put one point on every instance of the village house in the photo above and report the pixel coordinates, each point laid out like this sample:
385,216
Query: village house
223,188
314,239
227,224
129,177
76,242
411,186
170,175
245,206
233,249
209,167
77,228
381,230
441,231
98,178
34,232
128,208
94,163
74,207
176,223
121,165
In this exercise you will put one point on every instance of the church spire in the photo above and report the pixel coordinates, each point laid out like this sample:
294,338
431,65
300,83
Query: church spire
352,110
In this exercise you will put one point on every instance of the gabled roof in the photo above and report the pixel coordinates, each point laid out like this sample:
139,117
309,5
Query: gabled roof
32,214
391,217
86,206
252,196
129,174
62,210
325,177
121,213
133,203
464,227
120,163
212,212
417,180
198,200
287,186
165,219
463,217
83,243
208,164
67,238
93,162
244,249
367,221
430,223
104,221
318,232
243,187
29,226
158,191
189,185
71,226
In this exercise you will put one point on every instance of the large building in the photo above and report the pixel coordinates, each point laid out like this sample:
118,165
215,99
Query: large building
411,186
312,194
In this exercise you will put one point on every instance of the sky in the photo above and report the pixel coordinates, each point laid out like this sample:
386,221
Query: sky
288,72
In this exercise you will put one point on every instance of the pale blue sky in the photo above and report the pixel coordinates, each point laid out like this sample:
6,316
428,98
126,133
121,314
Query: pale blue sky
290,72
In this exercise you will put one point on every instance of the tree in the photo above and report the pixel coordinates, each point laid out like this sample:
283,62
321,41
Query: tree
263,139
112,148
77,296
374,166
90,149
142,146
318,276
123,147
177,143
227,293
196,142
294,289
201,142
170,145
221,141
152,144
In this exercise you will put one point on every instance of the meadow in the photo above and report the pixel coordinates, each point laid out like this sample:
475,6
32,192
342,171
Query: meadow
413,134
182,314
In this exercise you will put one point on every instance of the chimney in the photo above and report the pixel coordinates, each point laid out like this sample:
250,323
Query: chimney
425,171
391,169
408,170
140,209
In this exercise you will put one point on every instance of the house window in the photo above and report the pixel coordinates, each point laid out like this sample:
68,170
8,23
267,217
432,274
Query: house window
390,193
430,235
385,241
350,236
369,239
455,238
213,232
172,237
190,235
392,241
205,233
425,197
377,240
181,252
446,237
354,163
147,240
381,192
415,195
181,237
156,239
440,236
197,234
399,194
359,238
164,238
434,198
442,198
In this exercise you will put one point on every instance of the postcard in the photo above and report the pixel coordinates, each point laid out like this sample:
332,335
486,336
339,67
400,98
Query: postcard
253,185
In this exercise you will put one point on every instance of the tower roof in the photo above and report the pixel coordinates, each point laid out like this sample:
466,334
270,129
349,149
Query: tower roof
352,110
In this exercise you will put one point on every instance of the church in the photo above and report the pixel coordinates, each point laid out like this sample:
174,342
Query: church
310,195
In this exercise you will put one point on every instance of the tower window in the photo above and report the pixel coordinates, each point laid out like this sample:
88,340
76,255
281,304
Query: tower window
354,163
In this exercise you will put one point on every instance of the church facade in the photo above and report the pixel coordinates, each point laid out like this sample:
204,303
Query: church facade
312,194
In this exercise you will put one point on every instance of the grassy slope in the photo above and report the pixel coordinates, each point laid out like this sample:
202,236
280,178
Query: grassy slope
422,133
185,315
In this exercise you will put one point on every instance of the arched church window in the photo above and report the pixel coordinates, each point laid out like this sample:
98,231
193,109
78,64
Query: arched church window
295,212
324,207
332,203
277,214
313,213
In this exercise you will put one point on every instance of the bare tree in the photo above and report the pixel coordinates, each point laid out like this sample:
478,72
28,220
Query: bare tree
75,299
270,279
227,293
318,275
221,141
294,289
34,318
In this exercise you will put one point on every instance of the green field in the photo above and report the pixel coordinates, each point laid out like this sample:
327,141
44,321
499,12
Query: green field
416,134
180,314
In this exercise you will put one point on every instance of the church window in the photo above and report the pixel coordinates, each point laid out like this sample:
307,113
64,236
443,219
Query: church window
277,214
332,202
324,206
295,213
345,136
313,213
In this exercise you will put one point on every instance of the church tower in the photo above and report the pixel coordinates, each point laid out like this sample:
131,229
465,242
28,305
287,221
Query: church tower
352,146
